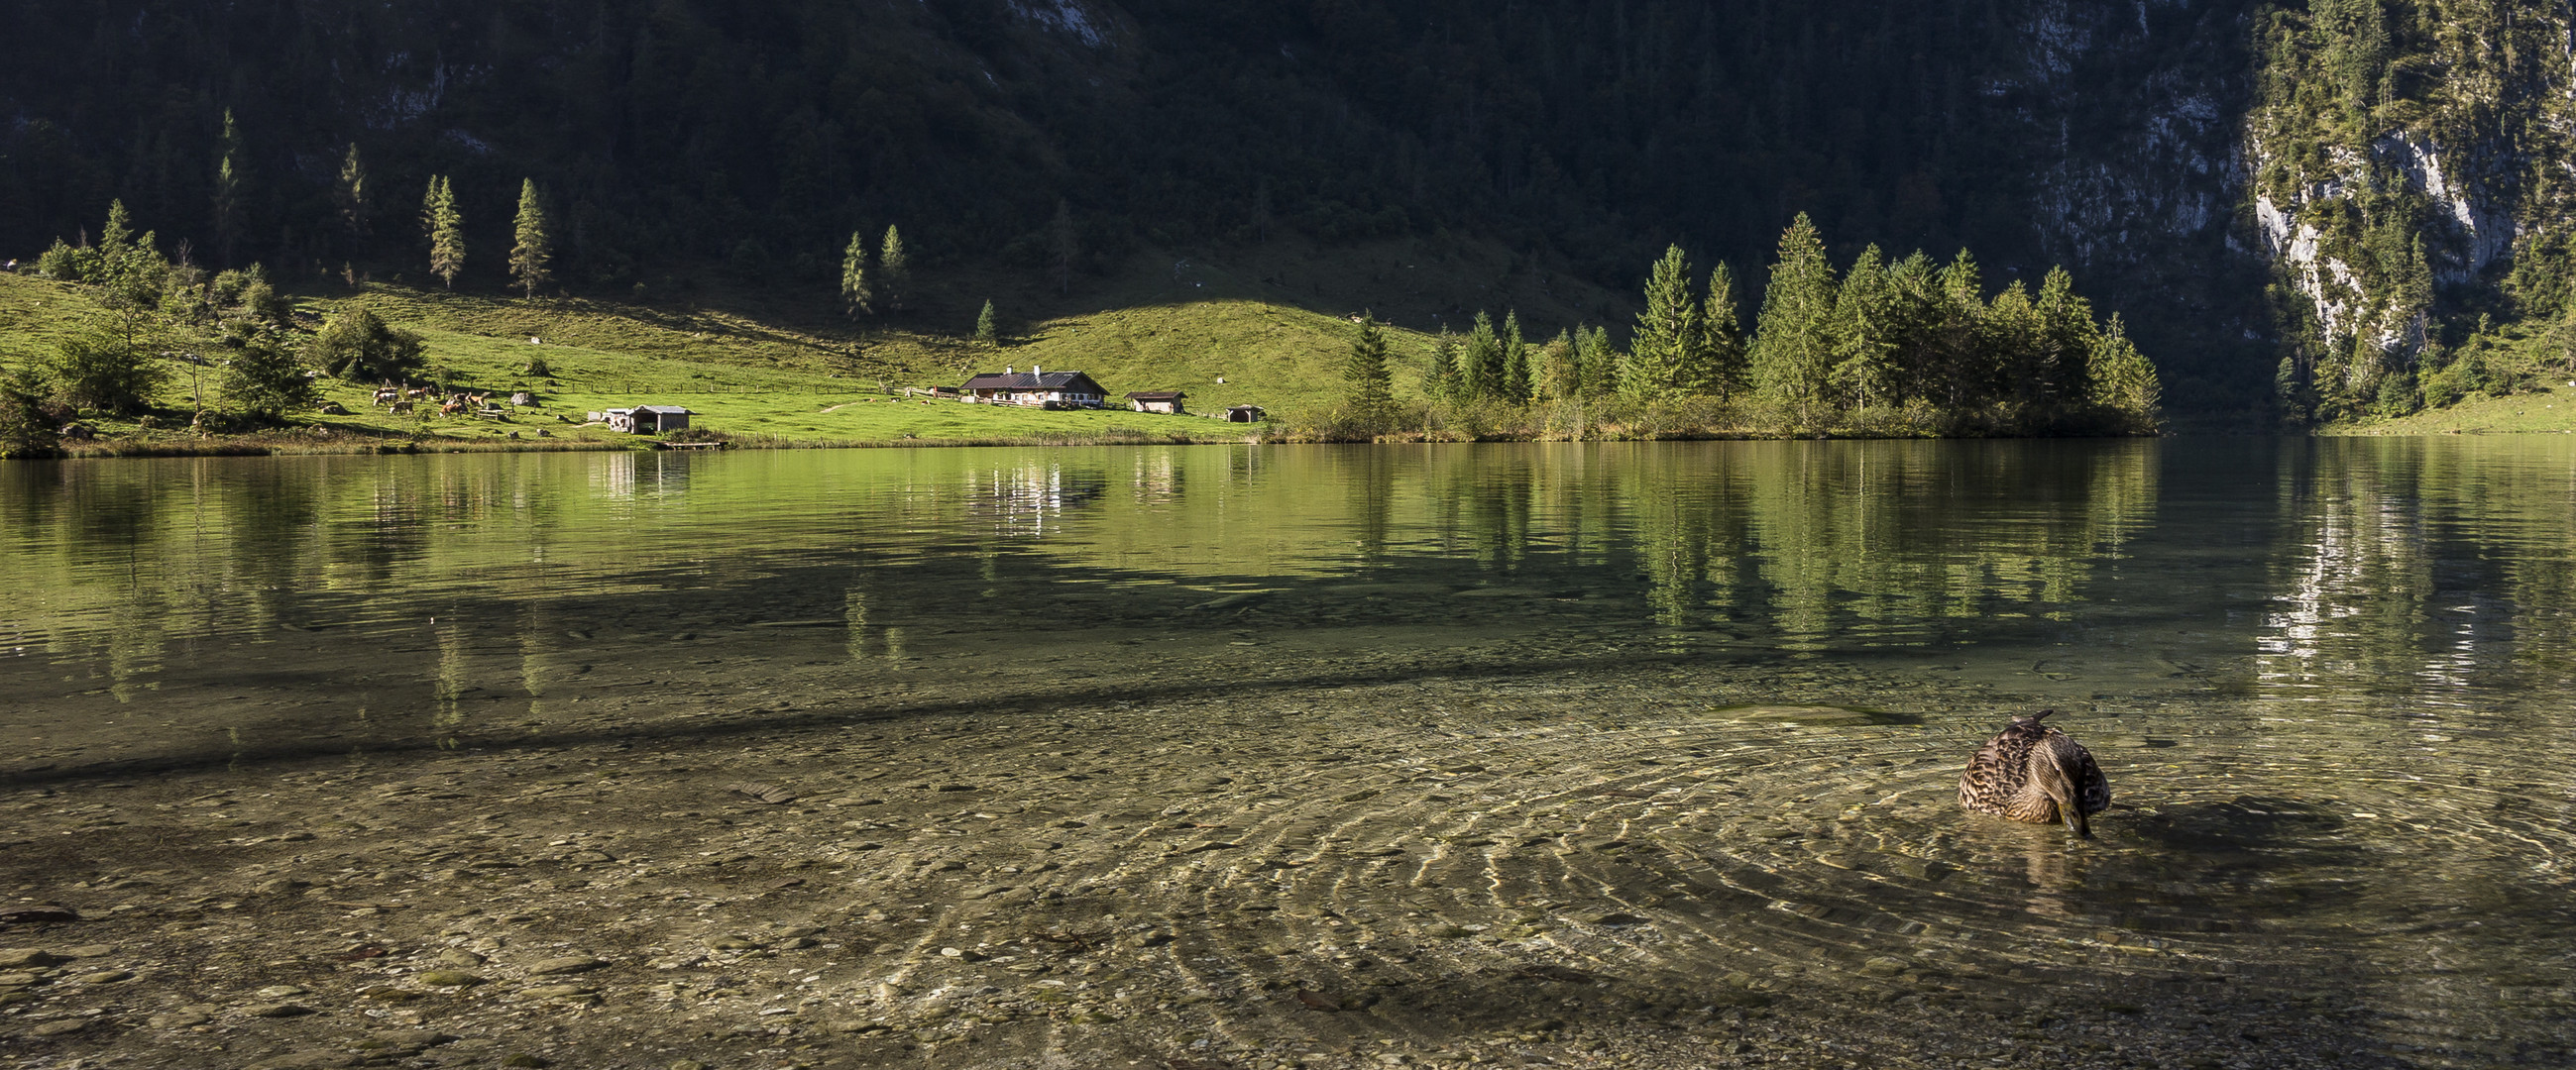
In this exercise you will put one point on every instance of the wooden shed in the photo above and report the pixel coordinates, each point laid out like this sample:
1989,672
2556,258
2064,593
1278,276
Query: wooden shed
1168,401
648,419
1245,414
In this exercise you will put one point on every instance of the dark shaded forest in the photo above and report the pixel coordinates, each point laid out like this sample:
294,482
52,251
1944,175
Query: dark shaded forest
684,135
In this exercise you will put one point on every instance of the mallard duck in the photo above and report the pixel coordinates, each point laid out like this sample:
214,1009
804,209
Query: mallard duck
2031,772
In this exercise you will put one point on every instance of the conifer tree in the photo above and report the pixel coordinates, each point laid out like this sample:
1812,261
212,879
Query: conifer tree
1960,368
1560,369
1670,333
232,177
532,255
894,271
1442,381
987,329
2067,334
1914,293
1865,371
1793,342
2012,344
1717,367
855,293
1600,363
1371,384
264,378
1481,362
445,228
352,195
1518,383
2123,379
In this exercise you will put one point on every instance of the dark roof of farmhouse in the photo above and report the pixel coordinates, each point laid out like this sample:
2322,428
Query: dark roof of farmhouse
1156,395
1025,380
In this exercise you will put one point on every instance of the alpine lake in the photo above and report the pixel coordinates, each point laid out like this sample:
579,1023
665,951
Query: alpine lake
1265,756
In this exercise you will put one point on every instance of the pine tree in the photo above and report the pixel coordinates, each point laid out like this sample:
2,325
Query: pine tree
1670,333
1865,372
1961,367
1560,369
987,330
1793,342
1372,386
1480,362
2011,338
533,254
352,195
1061,239
1442,381
1518,385
1914,295
2123,379
27,431
264,378
894,271
1600,363
856,296
1718,367
2062,373
445,228
232,178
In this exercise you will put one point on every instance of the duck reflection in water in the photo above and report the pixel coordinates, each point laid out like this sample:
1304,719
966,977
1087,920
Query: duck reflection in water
2031,772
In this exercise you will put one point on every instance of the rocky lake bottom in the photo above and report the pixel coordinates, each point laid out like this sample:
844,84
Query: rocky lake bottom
1459,864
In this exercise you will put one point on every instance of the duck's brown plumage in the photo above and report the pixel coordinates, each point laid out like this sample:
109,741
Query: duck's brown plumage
2031,772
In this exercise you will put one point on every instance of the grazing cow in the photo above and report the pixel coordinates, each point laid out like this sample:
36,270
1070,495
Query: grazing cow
386,395
451,408
401,408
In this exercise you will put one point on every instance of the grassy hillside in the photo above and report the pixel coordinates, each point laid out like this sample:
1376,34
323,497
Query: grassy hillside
754,368
2551,410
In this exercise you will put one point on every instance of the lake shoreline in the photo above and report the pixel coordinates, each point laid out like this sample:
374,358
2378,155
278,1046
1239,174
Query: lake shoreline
291,444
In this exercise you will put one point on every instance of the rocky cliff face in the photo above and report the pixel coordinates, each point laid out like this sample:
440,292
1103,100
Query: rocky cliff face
2408,175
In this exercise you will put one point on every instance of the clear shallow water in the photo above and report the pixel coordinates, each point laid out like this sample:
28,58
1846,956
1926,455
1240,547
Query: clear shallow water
1679,711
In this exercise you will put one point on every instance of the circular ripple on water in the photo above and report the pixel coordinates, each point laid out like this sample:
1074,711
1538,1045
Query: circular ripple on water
1720,855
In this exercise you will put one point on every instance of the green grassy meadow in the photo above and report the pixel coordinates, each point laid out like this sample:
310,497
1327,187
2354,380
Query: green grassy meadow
767,380
2549,410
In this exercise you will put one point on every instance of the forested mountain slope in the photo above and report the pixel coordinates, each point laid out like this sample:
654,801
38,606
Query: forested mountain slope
755,135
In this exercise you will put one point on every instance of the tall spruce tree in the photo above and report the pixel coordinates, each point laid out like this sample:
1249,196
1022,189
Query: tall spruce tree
232,182
856,294
2123,380
1793,342
444,226
1670,333
1865,370
532,255
1518,383
1560,369
988,327
894,271
2012,343
1600,362
1480,362
1914,328
1365,373
2063,373
1961,367
1717,366
1442,381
